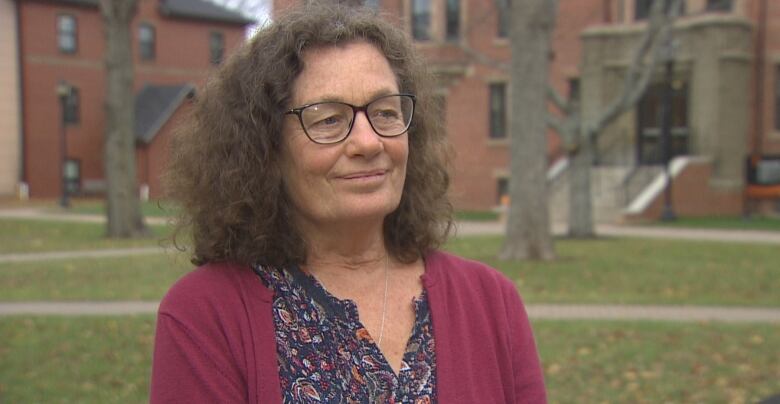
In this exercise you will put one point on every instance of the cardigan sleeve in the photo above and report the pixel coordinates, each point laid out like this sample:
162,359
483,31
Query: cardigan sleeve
188,368
529,380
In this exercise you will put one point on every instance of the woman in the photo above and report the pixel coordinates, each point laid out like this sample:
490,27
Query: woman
313,181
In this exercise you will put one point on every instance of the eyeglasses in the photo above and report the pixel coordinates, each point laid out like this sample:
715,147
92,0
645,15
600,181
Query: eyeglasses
331,122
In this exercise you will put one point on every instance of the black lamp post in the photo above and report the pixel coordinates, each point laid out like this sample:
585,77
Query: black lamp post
64,92
667,214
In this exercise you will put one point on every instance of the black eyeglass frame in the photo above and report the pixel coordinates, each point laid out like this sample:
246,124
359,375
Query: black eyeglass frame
355,109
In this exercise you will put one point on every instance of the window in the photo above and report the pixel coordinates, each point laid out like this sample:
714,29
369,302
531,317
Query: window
71,109
498,111
502,190
421,19
642,8
574,88
453,19
503,20
718,5
146,39
216,47
777,97
72,173
67,37
372,4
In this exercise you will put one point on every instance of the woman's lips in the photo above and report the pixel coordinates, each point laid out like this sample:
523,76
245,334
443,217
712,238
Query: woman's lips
364,174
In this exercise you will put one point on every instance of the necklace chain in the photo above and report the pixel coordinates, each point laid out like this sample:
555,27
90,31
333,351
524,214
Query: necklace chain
384,302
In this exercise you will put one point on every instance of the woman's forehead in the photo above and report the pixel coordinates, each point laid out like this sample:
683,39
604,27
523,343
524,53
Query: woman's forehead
354,72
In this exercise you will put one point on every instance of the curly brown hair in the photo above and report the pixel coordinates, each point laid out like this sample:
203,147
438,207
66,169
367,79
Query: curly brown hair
224,172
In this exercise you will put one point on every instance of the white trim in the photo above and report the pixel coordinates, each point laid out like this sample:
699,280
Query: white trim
557,168
651,192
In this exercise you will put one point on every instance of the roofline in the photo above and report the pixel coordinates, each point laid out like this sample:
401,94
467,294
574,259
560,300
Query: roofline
166,115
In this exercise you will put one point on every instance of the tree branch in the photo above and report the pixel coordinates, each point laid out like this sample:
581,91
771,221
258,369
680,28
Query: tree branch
556,123
557,99
638,77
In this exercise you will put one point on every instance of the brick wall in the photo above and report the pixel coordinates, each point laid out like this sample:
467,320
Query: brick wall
182,56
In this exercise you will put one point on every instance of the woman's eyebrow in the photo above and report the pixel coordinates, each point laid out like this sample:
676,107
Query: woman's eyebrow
338,98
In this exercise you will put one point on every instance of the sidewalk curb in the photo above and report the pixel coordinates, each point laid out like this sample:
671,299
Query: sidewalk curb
56,255
535,311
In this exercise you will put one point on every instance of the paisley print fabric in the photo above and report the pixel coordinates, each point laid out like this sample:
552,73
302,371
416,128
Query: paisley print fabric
327,356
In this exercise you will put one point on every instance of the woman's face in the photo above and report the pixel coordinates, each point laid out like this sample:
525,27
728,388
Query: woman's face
361,177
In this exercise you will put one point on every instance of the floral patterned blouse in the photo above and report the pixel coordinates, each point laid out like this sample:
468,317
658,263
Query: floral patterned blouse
326,355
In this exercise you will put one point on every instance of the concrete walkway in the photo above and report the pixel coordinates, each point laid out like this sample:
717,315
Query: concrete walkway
56,255
737,236
535,311
467,228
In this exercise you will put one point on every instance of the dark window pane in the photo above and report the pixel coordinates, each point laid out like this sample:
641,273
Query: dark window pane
498,110
453,19
642,9
71,109
216,47
372,4
146,41
502,190
66,33
72,173
777,97
503,19
421,19
719,5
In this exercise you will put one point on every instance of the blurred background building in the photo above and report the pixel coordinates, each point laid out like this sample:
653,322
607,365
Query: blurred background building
61,43
726,114
725,75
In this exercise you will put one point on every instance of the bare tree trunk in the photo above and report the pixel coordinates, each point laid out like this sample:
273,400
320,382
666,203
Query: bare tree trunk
580,194
644,62
123,207
528,226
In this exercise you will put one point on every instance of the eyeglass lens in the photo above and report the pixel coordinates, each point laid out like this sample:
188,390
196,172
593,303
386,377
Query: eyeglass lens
330,122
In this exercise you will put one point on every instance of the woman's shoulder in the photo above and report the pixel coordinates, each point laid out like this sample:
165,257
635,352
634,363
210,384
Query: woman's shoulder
211,288
456,271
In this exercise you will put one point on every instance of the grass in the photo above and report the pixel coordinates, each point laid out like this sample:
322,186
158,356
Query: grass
28,236
477,215
75,360
725,223
108,360
97,207
145,277
624,362
621,271
640,271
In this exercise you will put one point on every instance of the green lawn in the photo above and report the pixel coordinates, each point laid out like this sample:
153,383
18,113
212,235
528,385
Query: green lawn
97,207
25,236
75,360
144,277
640,271
627,271
107,360
477,215
651,362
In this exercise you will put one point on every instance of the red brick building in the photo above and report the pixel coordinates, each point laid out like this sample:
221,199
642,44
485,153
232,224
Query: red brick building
728,61
176,43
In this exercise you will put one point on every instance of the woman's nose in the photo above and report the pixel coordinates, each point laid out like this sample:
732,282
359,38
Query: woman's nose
363,140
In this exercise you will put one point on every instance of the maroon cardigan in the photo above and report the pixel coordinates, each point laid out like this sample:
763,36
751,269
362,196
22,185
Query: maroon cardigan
215,338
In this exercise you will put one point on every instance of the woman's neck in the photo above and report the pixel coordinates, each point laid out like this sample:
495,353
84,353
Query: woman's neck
347,247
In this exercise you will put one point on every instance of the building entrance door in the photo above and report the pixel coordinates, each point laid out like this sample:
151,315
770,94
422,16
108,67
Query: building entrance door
649,142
